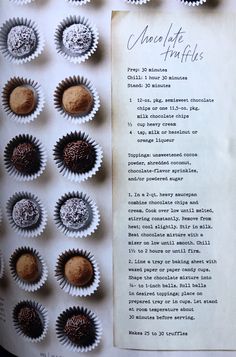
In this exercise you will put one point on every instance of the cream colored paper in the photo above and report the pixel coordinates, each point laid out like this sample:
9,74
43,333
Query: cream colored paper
200,46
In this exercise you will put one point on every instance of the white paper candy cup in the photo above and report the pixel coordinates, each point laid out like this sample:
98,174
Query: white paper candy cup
28,232
38,93
193,2
1,216
58,156
12,171
89,227
21,2
75,81
71,20
4,31
43,314
43,271
78,2
65,341
137,2
2,265
65,285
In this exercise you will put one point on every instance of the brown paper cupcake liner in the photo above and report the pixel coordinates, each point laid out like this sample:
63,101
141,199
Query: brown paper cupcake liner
71,20
193,2
43,271
65,341
74,81
136,2
43,316
28,232
4,31
58,156
2,265
65,285
40,101
21,2
78,2
93,220
12,171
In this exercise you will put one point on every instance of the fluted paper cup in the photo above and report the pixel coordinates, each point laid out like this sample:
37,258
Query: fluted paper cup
76,81
43,314
2,265
93,216
58,156
32,231
193,2
65,285
21,2
4,31
137,2
58,38
39,99
78,2
43,271
65,341
11,169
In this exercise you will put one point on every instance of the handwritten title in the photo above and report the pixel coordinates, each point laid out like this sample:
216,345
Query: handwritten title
173,43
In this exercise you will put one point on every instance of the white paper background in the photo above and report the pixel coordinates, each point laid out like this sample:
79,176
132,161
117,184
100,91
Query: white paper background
49,69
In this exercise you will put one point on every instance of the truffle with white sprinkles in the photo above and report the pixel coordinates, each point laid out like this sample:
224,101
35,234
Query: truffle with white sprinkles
21,41
74,213
77,39
25,213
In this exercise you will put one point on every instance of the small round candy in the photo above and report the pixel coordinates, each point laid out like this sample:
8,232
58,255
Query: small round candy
21,41
25,213
74,213
77,39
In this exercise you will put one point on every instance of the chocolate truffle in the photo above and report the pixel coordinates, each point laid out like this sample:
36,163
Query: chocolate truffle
74,213
78,271
30,322
77,39
22,100
27,267
80,330
79,156
25,213
21,41
25,158
77,100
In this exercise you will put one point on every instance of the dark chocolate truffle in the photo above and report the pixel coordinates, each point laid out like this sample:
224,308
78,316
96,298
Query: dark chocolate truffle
25,213
27,268
79,156
21,41
25,158
22,100
77,39
77,100
74,213
78,271
30,322
80,330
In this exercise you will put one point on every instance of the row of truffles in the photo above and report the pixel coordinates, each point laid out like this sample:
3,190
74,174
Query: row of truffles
76,271
21,41
77,328
77,156
75,98
76,214
136,2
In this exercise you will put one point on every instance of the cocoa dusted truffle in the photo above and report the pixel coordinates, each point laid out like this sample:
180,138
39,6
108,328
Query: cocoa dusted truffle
74,213
78,271
22,100
30,322
79,156
77,100
27,267
80,330
21,41
77,39
25,158
25,213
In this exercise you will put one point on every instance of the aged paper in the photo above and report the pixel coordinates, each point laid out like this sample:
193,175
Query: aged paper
174,166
